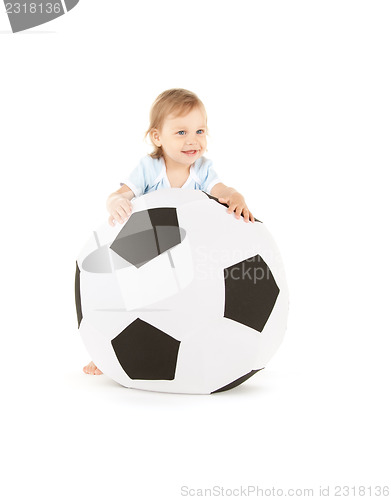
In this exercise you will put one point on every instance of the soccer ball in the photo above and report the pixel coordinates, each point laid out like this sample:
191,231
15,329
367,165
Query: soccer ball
183,297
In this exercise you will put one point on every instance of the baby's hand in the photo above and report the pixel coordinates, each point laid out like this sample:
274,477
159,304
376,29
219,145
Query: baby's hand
237,204
120,209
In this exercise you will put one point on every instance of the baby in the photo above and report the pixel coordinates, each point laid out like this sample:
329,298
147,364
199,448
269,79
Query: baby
178,133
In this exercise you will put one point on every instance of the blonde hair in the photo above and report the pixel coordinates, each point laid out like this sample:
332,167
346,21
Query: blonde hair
172,101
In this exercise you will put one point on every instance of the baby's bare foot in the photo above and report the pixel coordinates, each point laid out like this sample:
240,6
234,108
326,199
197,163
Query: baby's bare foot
91,369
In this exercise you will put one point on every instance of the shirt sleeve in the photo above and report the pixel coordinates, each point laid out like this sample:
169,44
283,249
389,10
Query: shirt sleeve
208,176
137,179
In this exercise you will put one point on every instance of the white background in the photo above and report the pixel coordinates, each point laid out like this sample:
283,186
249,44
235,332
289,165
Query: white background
298,102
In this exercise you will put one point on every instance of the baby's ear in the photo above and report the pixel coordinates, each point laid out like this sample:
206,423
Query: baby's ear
155,137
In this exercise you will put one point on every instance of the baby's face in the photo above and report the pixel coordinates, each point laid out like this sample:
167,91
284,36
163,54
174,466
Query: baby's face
183,138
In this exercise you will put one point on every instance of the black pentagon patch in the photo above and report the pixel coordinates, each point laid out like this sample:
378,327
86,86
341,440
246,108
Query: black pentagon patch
145,352
77,296
250,292
216,199
237,382
147,234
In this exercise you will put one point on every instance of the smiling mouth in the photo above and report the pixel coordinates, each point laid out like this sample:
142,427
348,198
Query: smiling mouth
191,152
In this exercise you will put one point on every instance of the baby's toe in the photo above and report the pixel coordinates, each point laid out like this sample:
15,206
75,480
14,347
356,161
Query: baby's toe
91,369
87,368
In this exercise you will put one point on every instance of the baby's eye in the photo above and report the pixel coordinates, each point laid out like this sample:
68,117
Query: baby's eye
201,131
181,132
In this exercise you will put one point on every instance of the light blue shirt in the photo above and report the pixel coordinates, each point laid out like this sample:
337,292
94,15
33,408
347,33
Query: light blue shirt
151,174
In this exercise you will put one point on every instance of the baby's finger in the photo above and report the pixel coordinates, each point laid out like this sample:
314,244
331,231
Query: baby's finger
111,220
126,206
246,215
117,216
238,211
122,213
231,208
252,218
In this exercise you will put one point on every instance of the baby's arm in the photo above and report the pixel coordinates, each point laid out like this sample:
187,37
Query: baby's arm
119,206
234,200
